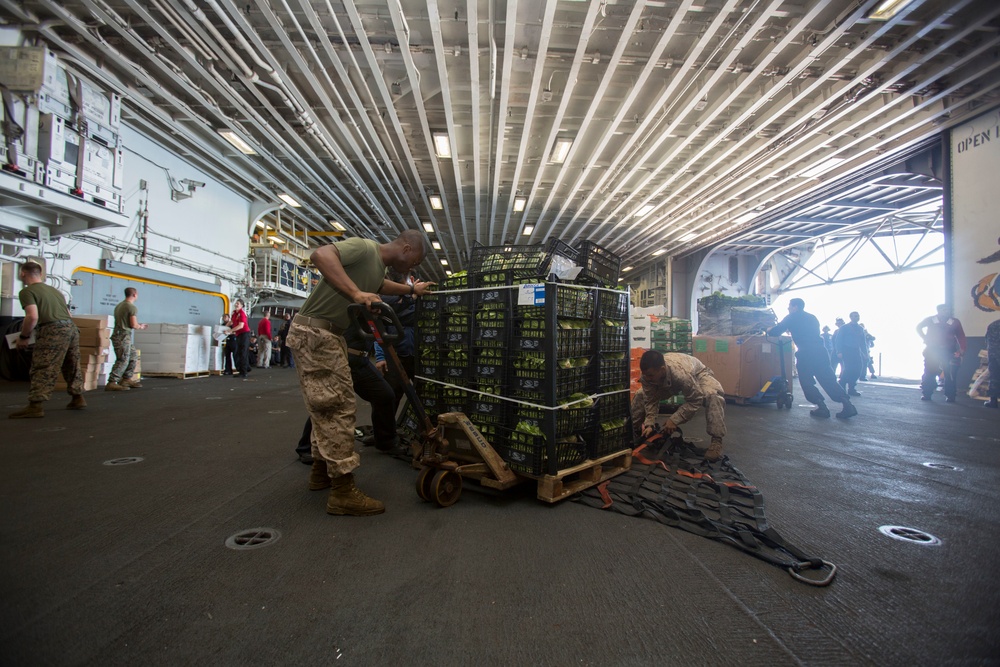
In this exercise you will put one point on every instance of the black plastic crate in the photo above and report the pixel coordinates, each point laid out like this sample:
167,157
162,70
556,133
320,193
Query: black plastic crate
456,338
456,301
430,338
527,453
497,259
613,305
429,370
607,439
498,299
600,265
571,302
531,384
485,409
454,374
614,339
428,303
569,420
454,400
611,407
613,373
455,282
489,371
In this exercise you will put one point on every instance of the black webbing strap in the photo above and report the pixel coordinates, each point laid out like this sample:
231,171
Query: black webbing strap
670,482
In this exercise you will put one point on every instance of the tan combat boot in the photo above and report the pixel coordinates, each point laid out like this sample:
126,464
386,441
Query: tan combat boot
319,478
714,451
346,498
114,386
131,383
77,403
34,409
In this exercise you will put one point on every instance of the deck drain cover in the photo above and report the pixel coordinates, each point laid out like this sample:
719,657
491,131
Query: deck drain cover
941,466
276,412
124,461
253,538
909,535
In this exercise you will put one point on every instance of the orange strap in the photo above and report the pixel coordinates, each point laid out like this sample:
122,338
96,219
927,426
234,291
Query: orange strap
605,496
642,459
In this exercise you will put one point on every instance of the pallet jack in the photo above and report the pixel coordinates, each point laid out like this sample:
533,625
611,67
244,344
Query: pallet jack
779,388
442,466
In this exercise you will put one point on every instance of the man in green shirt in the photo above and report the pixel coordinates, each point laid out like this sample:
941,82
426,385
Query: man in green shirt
122,339
57,343
353,272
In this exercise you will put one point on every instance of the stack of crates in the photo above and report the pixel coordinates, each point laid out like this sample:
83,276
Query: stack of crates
671,334
522,346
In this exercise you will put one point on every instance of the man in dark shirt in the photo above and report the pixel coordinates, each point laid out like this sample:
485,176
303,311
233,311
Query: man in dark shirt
993,362
945,343
812,361
852,348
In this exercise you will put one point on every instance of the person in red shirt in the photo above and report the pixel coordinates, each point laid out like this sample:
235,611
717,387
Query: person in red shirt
945,344
240,328
264,341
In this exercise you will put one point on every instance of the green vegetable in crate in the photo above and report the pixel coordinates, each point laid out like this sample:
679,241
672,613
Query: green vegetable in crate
585,401
612,425
529,428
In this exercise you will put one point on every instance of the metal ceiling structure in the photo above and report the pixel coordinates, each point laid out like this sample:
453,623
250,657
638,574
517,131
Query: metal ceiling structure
682,124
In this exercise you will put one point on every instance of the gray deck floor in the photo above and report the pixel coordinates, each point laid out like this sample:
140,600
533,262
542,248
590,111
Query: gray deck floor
127,565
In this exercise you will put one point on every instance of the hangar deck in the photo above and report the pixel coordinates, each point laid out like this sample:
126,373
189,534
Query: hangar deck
127,564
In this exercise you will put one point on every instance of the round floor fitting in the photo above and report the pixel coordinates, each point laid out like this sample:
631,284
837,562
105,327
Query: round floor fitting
124,461
253,538
911,535
941,466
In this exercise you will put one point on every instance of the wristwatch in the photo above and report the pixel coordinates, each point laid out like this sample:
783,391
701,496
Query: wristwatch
412,288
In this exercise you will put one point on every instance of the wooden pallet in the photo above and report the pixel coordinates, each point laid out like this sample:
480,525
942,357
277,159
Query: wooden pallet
179,376
215,372
566,482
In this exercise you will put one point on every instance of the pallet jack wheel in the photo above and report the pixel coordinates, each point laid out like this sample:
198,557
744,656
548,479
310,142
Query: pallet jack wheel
424,483
446,488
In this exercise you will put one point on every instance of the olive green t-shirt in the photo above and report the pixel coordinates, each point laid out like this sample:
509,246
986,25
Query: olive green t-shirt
50,302
363,264
123,315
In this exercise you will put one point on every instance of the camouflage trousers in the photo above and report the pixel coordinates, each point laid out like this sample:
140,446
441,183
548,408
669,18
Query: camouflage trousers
125,356
714,404
57,349
325,378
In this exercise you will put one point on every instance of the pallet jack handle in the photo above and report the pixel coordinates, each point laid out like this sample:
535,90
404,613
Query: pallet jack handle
371,323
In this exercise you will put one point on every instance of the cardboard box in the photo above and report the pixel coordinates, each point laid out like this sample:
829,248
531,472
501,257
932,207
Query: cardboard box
94,321
742,364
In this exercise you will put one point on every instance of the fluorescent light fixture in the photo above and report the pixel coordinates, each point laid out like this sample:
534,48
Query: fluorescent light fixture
520,203
237,142
528,230
659,252
627,268
288,200
260,225
746,217
339,226
560,151
687,237
276,239
447,273
442,145
429,228
444,262
645,209
435,245
825,165
887,9
436,202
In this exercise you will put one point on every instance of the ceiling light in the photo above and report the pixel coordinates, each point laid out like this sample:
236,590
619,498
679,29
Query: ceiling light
444,262
288,200
701,104
659,252
746,217
645,209
447,273
887,9
429,228
237,142
560,151
276,239
687,237
436,202
627,268
519,204
338,226
528,230
442,145
823,166
435,245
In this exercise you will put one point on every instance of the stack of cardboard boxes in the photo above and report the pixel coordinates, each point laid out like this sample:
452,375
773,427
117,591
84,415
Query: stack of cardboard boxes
175,349
96,355
742,364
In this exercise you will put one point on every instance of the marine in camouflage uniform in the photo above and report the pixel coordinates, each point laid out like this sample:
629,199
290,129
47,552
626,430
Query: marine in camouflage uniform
57,343
122,339
666,375
353,272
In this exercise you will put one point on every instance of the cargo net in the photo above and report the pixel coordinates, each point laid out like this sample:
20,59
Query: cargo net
671,482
